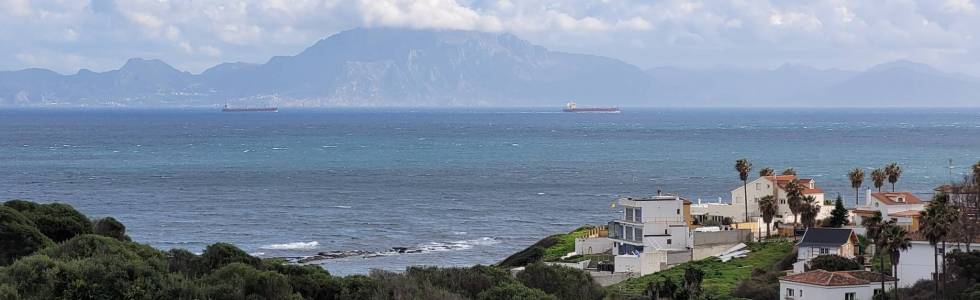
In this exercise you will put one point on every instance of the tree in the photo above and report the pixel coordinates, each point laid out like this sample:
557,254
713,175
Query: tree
833,263
58,221
882,245
18,236
692,282
564,282
808,211
109,227
878,176
857,178
743,166
893,171
838,216
935,226
794,198
767,171
897,241
514,291
789,171
768,207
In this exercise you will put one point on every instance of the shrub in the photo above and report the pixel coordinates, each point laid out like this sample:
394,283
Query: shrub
531,255
311,282
514,291
58,221
464,281
109,227
237,280
563,282
18,236
218,255
833,263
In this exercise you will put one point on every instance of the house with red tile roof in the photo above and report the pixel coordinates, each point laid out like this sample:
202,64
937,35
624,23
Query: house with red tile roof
902,207
824,285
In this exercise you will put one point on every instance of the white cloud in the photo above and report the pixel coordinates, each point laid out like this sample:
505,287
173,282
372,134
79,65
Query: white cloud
197,34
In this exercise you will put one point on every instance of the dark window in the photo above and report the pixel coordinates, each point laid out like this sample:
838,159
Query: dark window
668,241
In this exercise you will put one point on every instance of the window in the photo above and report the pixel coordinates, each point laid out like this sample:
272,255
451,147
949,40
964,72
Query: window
801,293
789,292
877,291
849,296
629,233
639,234
629,214
782,201
824,251
678,211
665,231
758,186
638,215
668,241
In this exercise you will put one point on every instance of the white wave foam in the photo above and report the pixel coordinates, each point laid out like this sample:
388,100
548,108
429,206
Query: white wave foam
292,246
459,233
341,206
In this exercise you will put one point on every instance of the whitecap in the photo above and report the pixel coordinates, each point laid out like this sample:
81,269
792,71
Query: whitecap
459,232
341,206
292,246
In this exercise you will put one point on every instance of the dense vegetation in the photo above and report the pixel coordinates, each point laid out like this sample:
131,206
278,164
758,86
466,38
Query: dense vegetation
720,278
550,248
51,251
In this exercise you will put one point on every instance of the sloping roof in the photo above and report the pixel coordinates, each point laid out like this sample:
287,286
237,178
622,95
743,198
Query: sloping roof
782,180
826,237
956,189
839,278
892,198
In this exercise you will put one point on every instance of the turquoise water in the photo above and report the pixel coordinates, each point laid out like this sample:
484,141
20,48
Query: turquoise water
468,186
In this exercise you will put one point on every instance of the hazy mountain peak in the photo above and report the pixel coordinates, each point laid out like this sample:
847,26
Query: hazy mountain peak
147,65
904,65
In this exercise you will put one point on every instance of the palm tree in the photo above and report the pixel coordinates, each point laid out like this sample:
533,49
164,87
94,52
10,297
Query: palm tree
794,198
883,244
893,171
809,210
873,224
768,207
879,177
789,171
767,171
743,166
898,241
935,227
857,178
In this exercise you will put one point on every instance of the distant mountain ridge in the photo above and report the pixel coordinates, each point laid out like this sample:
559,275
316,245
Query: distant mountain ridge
403,67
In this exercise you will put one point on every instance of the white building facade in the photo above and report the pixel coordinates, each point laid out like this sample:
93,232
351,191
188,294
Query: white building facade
824,285
651,234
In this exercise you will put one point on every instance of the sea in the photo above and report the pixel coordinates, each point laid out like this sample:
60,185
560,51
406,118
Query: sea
459,186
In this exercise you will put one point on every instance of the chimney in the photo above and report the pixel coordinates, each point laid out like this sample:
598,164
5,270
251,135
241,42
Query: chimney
658,192
867,197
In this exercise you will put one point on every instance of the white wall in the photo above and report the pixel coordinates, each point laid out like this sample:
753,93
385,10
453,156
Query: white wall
760,187
816,292
593,245
916,263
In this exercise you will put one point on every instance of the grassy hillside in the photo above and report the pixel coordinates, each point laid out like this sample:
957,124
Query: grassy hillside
720,277
551,248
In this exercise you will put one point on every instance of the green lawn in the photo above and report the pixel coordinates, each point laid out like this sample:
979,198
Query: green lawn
565,243
720,277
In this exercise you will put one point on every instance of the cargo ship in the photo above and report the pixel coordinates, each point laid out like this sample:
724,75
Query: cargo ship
249,109
573,108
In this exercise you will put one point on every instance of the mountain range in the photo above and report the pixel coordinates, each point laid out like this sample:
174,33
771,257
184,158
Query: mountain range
405,67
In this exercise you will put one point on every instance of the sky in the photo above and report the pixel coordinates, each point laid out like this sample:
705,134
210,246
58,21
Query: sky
67,35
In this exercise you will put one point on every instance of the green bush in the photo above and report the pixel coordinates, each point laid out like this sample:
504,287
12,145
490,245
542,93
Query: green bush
58,221
514,291
18,236
218,255
237,280
464,281
833,263
109,227
563,282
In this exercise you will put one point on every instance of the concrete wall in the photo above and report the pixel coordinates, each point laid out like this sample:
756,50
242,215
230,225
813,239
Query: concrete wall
593,245
722,237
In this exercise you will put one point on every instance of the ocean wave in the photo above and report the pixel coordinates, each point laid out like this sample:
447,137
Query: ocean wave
292,246
341,206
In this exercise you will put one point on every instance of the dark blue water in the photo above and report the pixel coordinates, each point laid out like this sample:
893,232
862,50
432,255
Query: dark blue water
484,183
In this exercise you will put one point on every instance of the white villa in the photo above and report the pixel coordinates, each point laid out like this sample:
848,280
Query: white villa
902,207
758,188
652,234
917,262
824,285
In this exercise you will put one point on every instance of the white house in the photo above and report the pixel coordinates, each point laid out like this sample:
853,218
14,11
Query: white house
917,263
652,234
761,187
824,285
825,241
902,207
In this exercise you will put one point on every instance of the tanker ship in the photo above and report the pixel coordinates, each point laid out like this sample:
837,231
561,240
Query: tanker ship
573,108
249,109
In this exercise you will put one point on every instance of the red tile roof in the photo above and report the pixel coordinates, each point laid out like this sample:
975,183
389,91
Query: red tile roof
782,180
891,198
907,213
839,278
